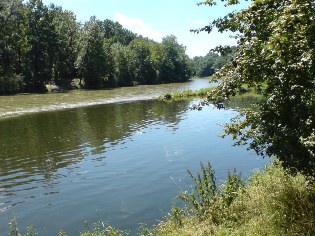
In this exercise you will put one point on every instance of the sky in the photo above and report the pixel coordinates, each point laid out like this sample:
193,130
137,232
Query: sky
156,19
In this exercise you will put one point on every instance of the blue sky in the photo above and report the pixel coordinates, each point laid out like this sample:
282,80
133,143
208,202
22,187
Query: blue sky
156,19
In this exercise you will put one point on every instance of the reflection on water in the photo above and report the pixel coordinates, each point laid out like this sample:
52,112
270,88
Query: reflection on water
41,144
118,162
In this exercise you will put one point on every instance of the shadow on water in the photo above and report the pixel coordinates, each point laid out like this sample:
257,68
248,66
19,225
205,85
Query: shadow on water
244,101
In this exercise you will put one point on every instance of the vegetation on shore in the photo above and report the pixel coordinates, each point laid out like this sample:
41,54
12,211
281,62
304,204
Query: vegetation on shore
244,93
44,47
272,202
187,93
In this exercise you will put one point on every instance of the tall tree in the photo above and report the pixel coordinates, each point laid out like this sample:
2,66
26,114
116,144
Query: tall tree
175,66
12,45
63,50
12,36
143,65
116,33
123,64
40,41
94,55
275,48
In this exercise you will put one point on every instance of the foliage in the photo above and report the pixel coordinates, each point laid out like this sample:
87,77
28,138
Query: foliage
209,64
14,230
115,33
39,45
142,64
99,229
272,202
11,85
124,71
204,192
175,64
45,45
93,55
64,53
275,48
250,95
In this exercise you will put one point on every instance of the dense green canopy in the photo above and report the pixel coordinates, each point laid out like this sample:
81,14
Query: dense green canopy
275,50
209,64
42,45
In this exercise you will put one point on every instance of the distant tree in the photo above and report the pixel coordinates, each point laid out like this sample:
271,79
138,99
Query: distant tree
39,44
63,51
116,33
94,56
275,49
175,66
123,64
205,66
142,62
11,35
37,69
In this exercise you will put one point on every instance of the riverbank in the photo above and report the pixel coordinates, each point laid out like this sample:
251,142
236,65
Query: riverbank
244,93
271,202
20,104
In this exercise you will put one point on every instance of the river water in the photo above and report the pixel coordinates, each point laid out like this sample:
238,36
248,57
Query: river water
119,156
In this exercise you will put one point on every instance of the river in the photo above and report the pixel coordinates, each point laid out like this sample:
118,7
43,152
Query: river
119,156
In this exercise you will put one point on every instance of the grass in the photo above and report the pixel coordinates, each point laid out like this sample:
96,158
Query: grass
186,94
244,93
98,229
271,202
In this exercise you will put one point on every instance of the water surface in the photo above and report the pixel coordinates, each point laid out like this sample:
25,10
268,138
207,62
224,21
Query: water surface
120,162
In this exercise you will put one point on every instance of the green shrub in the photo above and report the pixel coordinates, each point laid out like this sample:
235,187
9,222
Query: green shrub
273,202
204,192
11,84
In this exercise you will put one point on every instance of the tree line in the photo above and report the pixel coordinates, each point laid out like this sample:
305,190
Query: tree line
42,44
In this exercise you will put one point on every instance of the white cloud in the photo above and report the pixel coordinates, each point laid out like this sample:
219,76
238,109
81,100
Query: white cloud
136,25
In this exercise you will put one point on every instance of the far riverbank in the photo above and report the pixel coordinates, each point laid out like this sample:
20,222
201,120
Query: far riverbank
20,104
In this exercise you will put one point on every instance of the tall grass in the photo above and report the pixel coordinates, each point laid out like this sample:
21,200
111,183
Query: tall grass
243,93
186,94
98,229
272,202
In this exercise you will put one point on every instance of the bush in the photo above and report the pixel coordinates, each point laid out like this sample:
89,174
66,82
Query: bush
273,202
11,84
